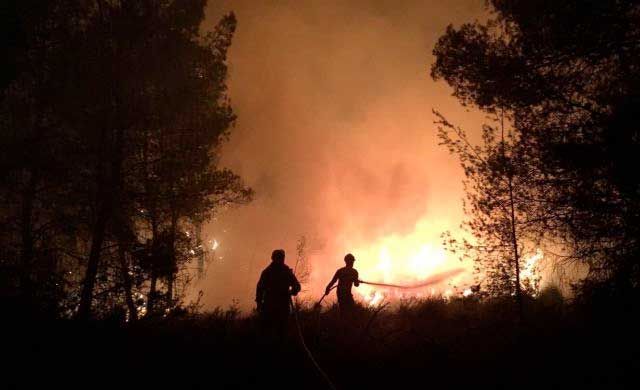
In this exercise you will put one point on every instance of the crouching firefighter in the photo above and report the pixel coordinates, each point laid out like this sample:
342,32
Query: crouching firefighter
276,285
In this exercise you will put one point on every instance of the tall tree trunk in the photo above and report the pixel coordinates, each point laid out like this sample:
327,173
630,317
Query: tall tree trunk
201,254
516,254
170,277
151,300
126,282
513,221
97,234
109,192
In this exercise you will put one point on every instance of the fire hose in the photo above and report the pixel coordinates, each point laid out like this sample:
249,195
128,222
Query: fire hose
324,295
433,280
306,349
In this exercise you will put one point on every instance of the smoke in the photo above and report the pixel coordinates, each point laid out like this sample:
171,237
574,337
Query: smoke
335,134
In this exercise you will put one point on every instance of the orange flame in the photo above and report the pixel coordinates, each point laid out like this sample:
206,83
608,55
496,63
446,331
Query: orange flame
412,261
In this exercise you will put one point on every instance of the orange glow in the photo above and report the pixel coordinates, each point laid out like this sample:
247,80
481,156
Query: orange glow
530,269
408,260
336,136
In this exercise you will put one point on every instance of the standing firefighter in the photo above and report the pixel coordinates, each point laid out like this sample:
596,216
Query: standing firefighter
346,277
277,283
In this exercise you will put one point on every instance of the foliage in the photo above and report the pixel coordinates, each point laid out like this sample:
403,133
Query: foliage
501,205
566,75
111,131
302,268
460,342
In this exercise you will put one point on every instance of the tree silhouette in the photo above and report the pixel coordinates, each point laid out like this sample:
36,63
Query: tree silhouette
570,87
500,205
112,130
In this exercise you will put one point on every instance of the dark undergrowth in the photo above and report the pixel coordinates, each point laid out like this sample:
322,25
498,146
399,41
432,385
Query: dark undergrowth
460,343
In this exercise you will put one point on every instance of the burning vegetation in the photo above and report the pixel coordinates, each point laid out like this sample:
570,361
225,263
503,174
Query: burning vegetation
113,118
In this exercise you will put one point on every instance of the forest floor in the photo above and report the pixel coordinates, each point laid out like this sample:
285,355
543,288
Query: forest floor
420,344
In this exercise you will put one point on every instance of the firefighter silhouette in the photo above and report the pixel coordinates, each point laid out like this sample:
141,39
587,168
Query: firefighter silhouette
346,277
276,285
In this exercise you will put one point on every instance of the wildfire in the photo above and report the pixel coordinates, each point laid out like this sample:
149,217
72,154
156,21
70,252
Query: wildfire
416,260
529,269
529,273
407,260
374,299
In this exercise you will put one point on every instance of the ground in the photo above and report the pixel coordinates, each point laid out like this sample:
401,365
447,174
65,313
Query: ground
426,344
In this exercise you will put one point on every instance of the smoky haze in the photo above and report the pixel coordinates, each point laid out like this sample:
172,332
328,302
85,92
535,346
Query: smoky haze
335,134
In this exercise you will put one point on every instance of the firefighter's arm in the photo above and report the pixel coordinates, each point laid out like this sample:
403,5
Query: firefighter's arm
357,281
295,284
331,283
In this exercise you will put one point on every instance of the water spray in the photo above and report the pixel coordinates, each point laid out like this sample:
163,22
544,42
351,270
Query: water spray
435,279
